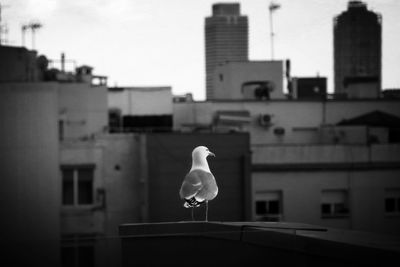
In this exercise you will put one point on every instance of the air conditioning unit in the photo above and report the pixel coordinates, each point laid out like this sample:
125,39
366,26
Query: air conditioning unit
279,131
265,120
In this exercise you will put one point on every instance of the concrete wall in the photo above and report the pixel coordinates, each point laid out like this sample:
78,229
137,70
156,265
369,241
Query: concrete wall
339,110
353,134
363,90
301,172
30,190
300,119
18,64
294,154
301,196
83,108
124,167
119,166
229,77
83,219
141,100
286,114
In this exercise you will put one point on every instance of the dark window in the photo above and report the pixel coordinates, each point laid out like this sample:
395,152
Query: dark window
115,120
261,207
390,204
68,187
67,256
77,251
392,201
398,204
85,186
85,256
77,185
394,135
340,208
326,209
334,203
267,207
147,123
61,130
273,207
332,209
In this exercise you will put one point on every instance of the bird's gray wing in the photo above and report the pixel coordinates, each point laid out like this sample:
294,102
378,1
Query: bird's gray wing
210,189
191,185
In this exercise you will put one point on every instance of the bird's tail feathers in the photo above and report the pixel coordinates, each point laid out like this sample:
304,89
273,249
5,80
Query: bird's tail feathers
192,202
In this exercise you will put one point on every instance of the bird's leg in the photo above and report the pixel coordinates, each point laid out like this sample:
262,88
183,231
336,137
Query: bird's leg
193,213
206,210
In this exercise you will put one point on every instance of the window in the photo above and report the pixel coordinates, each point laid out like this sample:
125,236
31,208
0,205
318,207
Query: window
334,203
77,251
392,201
268,206
115,120
77,185
61,130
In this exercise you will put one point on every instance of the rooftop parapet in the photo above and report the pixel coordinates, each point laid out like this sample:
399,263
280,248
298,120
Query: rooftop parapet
232,243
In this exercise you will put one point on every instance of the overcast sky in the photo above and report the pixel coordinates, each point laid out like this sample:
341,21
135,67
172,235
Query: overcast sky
161,42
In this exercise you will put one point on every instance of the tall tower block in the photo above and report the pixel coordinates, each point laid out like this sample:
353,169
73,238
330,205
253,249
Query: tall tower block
357,51
226,39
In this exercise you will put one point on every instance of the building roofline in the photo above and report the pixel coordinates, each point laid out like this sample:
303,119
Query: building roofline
139,88
285,167
289,100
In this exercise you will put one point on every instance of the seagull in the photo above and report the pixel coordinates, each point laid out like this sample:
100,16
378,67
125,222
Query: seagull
199,185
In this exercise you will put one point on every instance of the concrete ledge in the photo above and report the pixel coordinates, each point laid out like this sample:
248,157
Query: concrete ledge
174,229
325,166
232,243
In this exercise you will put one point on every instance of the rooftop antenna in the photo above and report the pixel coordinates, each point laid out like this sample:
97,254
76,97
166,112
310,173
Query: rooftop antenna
1,25
272,7
23,30
34,26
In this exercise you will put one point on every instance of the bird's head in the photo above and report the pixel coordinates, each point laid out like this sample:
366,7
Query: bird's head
202,152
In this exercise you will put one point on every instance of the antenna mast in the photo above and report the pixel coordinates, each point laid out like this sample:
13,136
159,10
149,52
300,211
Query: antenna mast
33,26
1,25
272,7
23,30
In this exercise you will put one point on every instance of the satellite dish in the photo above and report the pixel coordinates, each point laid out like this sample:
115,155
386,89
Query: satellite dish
263,90
258,89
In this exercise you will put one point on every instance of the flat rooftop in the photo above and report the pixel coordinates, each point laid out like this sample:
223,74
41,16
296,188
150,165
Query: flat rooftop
253,242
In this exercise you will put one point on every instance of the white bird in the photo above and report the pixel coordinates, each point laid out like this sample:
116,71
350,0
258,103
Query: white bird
199,185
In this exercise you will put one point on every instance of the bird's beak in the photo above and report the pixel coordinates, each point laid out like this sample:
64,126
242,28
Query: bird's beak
211,154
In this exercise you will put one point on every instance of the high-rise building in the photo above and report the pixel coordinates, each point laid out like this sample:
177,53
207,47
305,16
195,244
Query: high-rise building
226,39
357,52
